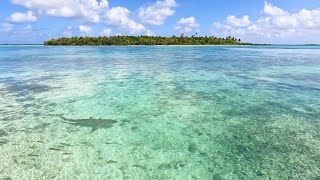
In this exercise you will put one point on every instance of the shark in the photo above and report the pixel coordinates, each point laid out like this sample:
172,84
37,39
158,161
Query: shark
93,123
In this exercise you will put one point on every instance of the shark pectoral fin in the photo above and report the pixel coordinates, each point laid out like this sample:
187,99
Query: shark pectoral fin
94,128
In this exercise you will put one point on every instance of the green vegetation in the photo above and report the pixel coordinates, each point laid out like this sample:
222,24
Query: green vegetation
144,40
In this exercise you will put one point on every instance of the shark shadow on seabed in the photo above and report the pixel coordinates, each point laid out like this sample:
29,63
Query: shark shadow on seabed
93,123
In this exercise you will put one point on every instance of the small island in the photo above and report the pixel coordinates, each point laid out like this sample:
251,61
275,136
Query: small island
144,40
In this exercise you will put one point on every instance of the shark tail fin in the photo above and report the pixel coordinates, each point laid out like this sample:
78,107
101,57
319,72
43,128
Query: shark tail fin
63,118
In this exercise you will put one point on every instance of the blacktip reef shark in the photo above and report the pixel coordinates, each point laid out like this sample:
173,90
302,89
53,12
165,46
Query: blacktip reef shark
95,124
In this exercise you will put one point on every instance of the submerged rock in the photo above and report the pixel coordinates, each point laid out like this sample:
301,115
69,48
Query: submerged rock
192,147
3,142
3,133
216,177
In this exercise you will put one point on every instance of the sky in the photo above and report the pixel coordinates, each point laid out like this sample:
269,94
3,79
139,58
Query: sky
256,21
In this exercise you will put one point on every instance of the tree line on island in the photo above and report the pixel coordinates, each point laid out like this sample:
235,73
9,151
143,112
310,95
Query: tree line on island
144,40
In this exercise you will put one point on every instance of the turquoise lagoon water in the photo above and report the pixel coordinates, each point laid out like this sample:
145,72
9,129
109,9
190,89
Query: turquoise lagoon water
179,112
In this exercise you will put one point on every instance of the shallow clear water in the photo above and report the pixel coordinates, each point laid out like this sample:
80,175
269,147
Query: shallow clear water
179,112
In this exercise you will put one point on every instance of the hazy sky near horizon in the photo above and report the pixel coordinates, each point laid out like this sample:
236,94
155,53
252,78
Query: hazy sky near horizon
257,21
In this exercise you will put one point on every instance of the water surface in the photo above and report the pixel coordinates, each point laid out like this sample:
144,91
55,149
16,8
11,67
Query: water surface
171,112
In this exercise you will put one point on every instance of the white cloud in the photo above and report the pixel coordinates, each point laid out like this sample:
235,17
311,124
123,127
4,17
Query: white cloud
68,32
234,21
88,10
158,12
186,25
269,9
106,32
275,26
6,27
85,29
120,17
28,27
22,17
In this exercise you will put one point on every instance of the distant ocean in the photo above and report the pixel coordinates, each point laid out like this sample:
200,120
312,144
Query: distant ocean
160,112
